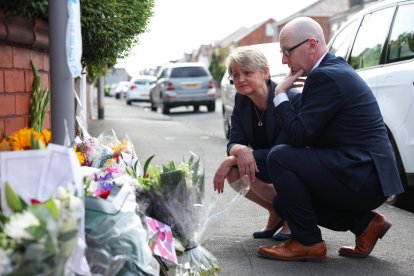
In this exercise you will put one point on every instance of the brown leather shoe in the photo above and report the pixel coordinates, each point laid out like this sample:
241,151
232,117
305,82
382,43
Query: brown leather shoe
365,242
293,250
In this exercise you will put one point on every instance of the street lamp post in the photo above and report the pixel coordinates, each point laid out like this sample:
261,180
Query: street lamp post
62,100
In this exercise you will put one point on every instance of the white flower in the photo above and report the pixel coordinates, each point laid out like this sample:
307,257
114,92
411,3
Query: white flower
75,203
15,227
62,193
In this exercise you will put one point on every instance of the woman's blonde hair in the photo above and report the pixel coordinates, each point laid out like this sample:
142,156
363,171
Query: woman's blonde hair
247,57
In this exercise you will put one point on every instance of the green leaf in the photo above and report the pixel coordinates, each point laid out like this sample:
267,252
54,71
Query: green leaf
13,200
68,235
131,172
147,163
36,231
50,204
51,244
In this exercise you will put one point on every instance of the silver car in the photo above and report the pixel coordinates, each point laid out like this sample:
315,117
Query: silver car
183,84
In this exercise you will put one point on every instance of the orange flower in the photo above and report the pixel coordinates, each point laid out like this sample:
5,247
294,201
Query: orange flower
81,157
47,135
21,139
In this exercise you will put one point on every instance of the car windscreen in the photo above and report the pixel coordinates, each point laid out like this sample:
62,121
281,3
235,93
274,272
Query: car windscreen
188,72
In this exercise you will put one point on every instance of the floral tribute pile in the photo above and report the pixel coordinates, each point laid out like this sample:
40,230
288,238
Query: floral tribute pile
136,219
167,198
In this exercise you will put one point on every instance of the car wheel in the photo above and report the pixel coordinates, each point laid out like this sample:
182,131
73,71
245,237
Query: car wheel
117,96
404,200
211,107
129,102
196,108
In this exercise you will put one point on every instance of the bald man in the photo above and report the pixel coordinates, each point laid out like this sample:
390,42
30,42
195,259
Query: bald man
338,165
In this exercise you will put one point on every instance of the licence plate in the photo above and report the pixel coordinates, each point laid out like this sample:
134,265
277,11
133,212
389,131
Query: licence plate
191,85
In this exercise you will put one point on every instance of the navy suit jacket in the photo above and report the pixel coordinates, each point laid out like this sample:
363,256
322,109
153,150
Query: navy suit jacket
339,113
241,131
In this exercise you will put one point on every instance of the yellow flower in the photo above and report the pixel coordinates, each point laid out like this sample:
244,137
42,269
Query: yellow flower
81,157
4,145
21,139
118,148
47,135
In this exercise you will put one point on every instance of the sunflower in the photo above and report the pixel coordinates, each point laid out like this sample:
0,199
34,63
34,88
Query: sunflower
21,139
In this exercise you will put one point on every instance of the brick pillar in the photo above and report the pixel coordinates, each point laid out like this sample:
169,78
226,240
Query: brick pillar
21,40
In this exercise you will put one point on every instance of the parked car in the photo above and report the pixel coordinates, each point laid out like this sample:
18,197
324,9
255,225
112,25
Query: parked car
121,88
228,91
139,89
110,90
379,43
183,84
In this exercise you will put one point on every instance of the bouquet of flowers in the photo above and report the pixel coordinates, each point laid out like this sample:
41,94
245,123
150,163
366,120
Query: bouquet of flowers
174,195
110,200
25,139
106,151
38,237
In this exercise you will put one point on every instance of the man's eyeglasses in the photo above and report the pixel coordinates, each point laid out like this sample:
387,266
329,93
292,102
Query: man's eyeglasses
288,52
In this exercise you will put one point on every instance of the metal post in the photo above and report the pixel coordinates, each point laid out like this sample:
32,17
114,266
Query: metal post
62,99
101,98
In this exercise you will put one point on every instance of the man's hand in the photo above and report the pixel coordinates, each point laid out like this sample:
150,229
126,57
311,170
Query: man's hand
293,79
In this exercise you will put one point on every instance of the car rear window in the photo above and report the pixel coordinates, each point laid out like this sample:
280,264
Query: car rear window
188,72
142,82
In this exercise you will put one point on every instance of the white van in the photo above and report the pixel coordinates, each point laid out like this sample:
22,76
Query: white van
378,42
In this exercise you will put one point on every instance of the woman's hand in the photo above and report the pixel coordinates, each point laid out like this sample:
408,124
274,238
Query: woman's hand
222,172
246,163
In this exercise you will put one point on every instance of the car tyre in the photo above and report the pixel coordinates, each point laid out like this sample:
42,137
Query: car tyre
117,96
404,200
196,108
129,102
211,107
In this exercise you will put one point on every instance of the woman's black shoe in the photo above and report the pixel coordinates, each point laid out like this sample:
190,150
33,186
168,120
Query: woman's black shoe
268,233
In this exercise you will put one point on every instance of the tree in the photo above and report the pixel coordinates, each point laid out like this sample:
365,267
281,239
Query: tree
217,68
109,27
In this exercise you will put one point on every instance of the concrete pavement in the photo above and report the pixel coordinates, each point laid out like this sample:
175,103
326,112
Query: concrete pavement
231,241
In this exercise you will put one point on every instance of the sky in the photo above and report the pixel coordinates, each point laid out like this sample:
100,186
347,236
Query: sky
180,26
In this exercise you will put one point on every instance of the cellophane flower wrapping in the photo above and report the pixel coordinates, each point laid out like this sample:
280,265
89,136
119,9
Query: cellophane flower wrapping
114,230
38,237
105,151
174,195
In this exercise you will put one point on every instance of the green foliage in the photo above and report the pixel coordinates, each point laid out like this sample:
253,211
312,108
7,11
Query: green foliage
109,27
217,68
109,30
29,8
39,102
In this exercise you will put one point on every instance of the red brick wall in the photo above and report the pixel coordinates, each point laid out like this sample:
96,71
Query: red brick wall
21,40
258,36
